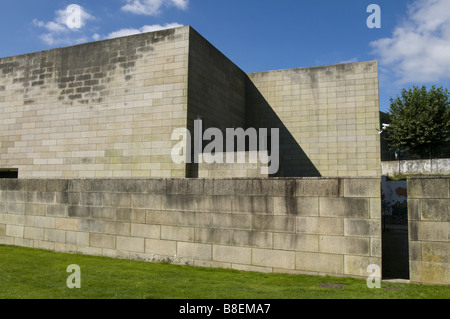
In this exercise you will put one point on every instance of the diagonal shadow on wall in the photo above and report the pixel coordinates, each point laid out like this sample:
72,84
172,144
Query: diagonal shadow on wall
259,114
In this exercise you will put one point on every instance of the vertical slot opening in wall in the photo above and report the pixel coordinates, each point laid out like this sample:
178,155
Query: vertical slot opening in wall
395,241
9,173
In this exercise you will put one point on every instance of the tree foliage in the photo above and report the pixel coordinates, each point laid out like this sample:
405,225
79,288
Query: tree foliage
420,120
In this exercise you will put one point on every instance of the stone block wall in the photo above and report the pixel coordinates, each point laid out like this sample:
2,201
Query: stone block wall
438,166
107,109
429,229
328,118
244,165
95,110
216,87
313,226
216,95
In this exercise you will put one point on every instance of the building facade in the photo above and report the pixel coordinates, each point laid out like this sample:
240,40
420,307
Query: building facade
108,109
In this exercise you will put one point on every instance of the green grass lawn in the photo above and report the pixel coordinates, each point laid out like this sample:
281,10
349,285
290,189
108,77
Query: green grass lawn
38,274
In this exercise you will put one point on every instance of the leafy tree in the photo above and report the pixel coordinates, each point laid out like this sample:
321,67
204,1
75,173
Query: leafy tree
420,120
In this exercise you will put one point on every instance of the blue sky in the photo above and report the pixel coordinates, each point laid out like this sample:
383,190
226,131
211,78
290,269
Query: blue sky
412,46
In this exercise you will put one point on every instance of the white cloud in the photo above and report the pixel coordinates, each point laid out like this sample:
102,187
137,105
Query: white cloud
96,37
180,4
52,39
418,50
145,28
73,16
152,7
65,28
51,26
352,60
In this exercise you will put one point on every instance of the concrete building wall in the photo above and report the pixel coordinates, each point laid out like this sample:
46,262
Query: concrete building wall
103,109
429,229
430,166
247,167
313,226
108,109
216,93
216,86
328,117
